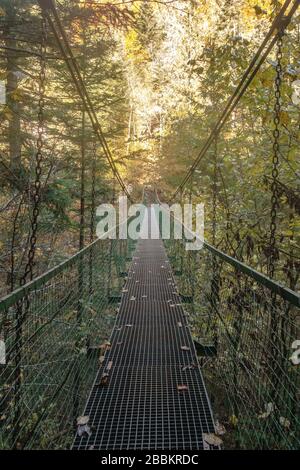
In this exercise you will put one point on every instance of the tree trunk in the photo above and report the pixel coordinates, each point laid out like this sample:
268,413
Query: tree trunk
14,129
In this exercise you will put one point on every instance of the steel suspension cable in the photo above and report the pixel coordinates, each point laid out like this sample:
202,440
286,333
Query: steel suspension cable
58,30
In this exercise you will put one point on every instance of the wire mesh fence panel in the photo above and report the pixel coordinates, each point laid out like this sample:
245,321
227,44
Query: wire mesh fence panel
247,336
52,330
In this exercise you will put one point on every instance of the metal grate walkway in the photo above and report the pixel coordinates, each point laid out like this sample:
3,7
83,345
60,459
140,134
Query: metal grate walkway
143,405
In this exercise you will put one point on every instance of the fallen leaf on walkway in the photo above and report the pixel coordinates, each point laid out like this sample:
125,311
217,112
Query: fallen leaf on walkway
82,420
104,379
101,359
220,429
205,446
188,367
81,430
106,345
212,439
182,388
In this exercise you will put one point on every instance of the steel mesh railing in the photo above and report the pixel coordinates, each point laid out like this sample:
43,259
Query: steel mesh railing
52,330
246,326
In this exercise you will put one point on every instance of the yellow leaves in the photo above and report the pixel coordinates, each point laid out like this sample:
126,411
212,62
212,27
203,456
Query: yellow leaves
131,40
267,77
293,228
257,169
288,233
295,225
267,119
233,420
2,12
7,113
134,48
258,8
284,118
252,10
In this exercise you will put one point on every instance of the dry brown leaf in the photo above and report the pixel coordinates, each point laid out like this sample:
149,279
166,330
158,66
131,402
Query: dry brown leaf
182,388
82,420
189,366
220,429
212,439
101,359
104,379
105,346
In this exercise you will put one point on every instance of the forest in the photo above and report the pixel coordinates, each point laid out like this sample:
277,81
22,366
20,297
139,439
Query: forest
101,98
166,71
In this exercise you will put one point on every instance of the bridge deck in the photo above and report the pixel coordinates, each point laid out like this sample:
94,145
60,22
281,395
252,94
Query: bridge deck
151,357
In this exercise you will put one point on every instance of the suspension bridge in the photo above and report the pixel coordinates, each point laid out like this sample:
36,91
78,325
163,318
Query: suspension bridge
141,344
